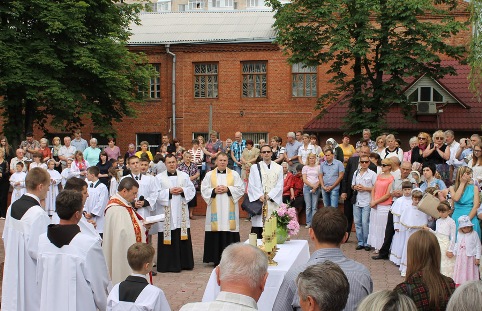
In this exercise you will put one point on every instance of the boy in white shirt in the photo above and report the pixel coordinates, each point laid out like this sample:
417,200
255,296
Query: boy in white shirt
135,293
97,200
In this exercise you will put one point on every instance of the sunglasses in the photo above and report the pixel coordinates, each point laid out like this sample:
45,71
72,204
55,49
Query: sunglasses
364,162
422,138
265,151
383,164
439,138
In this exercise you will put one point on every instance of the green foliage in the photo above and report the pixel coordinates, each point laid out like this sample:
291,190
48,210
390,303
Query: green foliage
62,61
475,52
372,47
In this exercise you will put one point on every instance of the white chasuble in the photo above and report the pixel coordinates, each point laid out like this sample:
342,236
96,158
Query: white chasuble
272,185
222,213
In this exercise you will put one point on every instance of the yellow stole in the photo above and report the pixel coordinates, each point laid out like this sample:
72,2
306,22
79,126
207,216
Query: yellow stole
214,207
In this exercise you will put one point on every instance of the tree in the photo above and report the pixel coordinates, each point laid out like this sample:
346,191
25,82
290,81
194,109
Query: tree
66,60
371,46
475,55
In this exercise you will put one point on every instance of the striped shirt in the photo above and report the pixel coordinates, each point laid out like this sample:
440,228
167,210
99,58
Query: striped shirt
237,149
357,274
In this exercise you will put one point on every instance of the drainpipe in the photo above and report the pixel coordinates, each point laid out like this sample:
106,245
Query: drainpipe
173,90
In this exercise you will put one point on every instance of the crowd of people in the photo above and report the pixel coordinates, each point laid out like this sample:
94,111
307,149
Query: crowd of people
74,204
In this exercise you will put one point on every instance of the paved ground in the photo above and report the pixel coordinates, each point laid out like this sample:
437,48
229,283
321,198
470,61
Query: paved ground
188,286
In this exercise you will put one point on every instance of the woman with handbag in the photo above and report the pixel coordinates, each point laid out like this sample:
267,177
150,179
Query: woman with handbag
466,197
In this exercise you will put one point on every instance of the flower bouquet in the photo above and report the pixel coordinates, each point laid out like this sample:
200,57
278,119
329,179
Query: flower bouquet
287,222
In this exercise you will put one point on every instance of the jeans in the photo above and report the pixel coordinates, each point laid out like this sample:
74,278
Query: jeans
238,170
331,198
311,202
361,217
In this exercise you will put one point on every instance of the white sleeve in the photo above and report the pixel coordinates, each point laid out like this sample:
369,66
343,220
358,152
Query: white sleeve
255,189
97,276
188,189
276,194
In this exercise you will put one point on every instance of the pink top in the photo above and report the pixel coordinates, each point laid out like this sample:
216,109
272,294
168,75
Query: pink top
311,173
381,187
407,155
112,153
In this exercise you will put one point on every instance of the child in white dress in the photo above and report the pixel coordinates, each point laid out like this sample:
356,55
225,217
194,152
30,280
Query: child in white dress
67,172
17,180
37,162
401,204
411,220
467,249
55,180
445,233
114,181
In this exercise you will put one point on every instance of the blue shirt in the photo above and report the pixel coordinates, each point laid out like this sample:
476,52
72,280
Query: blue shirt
237,149
434,183
331,172
358,276
292,149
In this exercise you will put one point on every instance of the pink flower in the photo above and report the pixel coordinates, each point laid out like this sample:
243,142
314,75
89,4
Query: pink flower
293,227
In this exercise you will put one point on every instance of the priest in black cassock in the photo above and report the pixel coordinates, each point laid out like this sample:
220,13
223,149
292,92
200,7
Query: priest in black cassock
174,246
221,188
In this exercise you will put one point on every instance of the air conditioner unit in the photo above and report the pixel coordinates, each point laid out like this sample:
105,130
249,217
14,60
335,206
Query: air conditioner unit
426,108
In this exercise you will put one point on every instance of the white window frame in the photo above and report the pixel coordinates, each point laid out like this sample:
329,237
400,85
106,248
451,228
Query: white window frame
304,80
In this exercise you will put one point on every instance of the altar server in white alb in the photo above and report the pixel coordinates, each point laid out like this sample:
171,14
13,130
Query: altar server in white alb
135,293
97,200
71,269
271,185
221,188
148,189
55,180
17,180
26,221
174,246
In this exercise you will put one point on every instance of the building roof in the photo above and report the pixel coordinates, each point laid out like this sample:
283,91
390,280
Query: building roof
203,27
466,115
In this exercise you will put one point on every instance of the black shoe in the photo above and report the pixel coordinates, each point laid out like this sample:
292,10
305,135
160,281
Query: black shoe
359,247
368,248
378,257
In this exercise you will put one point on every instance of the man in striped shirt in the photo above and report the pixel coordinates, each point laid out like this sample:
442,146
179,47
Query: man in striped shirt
236,150
328,232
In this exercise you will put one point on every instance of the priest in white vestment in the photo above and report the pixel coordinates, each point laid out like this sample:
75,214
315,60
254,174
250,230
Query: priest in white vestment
269,189
71,269
26,221
122,228
174,248
221,188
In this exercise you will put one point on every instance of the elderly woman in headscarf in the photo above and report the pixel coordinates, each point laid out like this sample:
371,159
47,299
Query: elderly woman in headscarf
337,151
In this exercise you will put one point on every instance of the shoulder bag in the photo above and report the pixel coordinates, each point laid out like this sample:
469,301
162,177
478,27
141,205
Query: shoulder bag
256,207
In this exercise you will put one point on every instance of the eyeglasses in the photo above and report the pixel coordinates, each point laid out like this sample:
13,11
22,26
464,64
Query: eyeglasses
265,151
365,162
383,164
422,138
475,150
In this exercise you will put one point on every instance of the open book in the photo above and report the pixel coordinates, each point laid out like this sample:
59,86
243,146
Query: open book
153,219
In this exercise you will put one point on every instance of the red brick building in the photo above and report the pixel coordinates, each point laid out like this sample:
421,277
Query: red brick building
227,62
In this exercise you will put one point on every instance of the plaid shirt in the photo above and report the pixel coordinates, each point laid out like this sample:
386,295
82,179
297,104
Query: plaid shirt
237,149
416,289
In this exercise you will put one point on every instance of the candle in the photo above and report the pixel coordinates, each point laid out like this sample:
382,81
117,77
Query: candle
253,239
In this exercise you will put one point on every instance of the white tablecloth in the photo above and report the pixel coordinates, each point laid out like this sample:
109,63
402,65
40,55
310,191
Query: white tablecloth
294,252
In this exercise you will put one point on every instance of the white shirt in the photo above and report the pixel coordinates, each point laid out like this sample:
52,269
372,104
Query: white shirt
366,179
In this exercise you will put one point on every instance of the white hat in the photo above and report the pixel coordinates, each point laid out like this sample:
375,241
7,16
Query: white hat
464,221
